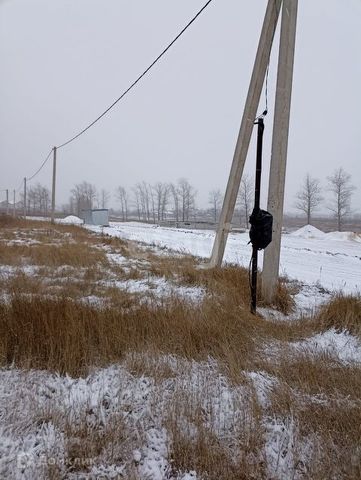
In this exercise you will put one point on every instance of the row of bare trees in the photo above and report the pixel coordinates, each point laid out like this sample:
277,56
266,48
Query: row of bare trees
244,204
152,203
310,197
85,196
155,203
38,200
163,201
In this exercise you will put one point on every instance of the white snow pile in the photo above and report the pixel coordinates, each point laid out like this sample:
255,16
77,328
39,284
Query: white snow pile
71,220
343,236
340,344
308,231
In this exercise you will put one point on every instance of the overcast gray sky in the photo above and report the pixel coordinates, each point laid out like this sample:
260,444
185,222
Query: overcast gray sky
64,61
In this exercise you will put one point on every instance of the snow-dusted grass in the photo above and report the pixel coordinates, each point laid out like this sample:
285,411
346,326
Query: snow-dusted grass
130,362
309,257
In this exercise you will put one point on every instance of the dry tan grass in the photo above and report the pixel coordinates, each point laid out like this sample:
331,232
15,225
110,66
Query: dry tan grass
60,332
330,423
62,335
75,254
343,313
211,455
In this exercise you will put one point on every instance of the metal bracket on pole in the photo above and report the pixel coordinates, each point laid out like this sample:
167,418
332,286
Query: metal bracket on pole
245,133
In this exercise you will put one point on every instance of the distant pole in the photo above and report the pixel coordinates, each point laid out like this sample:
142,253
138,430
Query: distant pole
245,133
279,145
7,202
25,198
53,189
14,207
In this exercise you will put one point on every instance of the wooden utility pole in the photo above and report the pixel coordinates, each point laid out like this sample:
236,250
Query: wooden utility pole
14,207
245,133
7,202
279,145
25,198
53,187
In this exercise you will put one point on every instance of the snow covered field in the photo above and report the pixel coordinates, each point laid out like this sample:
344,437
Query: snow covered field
331,260
141,407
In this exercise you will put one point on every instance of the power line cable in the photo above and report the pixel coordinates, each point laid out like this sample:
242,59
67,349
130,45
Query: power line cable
19,187
139,78
41,166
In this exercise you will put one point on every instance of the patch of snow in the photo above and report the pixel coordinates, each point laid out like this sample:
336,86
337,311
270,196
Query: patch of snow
263,384
332,264
279,449
153,464
70,220
342,344
308,231
157,287
343,236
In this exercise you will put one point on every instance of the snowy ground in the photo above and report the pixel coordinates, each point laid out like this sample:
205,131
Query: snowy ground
32,436
310,256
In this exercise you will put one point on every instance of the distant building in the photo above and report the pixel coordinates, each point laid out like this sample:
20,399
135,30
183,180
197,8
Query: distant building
98,216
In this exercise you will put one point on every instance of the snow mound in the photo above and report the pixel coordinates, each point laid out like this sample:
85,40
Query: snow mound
348,236
71,220
342,344
308,231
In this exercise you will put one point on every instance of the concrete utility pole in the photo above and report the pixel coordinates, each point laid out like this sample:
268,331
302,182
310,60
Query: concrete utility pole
14,207
7,202
245,133
53,188
25,198
279,145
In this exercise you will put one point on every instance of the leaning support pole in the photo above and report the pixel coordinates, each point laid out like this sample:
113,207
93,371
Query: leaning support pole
7,202
245,133
279,145
53,187
257,196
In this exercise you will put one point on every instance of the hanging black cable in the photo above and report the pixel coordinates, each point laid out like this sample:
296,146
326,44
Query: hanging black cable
260,220
138,79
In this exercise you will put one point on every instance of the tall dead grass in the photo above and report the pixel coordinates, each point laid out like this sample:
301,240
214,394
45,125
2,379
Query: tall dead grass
62,335
342,313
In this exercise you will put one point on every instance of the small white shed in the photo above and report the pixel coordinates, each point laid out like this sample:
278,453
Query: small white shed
98,216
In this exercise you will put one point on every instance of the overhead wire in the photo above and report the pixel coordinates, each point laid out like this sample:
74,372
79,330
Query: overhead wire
41,166
122,95
138,78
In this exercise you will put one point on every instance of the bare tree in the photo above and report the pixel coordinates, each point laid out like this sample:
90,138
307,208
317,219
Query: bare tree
38,199
83,196
104,198
246,197
175,198
144,201
122,196
309,197
161,197
215,200
342,189
186,195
